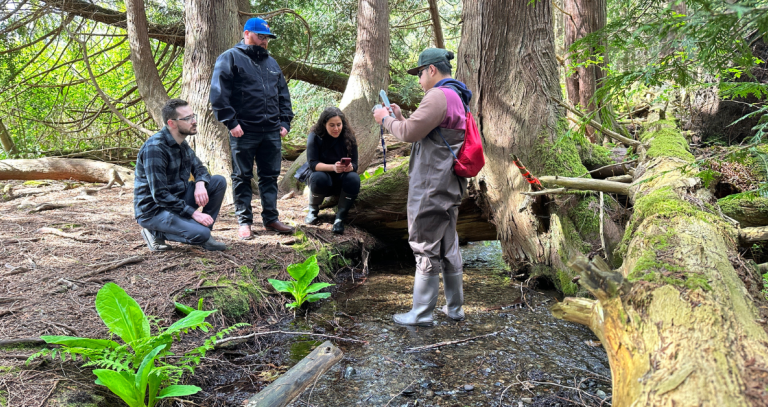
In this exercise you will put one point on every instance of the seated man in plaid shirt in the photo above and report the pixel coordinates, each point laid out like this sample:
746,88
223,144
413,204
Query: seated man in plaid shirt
165,201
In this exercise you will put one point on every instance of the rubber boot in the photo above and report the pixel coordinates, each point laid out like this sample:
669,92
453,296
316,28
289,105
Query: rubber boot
425,289
453,285
314,208
345,204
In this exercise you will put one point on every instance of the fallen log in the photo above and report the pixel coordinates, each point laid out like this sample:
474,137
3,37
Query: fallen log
381,210
749,211
291,384
676,320
63,168
753,235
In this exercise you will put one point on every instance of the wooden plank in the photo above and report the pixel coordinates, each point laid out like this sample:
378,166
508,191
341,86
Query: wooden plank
291,384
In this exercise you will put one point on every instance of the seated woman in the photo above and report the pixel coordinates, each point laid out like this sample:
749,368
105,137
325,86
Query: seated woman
329,142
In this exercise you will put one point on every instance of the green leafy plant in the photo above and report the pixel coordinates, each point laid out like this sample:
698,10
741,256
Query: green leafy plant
129,370
300,288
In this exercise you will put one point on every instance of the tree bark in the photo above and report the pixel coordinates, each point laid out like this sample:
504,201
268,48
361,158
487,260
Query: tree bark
148,79
62,168
381,209
678,323
370,73
584,17
515,115
212,28
437,27
7,141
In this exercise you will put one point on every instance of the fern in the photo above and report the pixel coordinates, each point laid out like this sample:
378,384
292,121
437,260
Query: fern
191,359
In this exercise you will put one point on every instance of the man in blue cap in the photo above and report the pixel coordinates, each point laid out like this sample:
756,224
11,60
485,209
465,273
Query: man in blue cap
249,95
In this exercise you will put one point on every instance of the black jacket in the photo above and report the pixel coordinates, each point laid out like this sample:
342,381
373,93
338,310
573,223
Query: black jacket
328,151
248,88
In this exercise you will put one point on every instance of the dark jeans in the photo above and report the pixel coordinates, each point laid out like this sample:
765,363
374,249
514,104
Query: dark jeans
186,230
265,149
331,183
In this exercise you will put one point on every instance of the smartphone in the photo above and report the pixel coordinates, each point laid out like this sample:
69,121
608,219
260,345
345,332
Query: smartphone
346,161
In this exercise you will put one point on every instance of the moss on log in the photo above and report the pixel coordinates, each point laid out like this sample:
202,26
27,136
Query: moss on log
680,328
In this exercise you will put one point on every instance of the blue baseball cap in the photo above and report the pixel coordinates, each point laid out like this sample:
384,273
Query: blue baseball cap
258,26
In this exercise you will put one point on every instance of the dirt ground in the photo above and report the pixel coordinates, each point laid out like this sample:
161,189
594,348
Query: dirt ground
48,282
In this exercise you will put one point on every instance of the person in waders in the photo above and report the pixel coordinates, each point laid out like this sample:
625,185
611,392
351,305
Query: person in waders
435,191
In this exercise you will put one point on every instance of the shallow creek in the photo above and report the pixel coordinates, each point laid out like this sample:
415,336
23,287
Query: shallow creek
534,359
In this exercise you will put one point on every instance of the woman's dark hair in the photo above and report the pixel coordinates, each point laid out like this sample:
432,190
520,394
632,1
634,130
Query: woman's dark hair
347,134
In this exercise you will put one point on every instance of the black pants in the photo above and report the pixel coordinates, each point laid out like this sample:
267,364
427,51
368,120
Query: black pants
332,183
181,229
264,148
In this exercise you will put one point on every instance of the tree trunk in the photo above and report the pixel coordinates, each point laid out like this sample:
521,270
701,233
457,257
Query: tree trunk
7,141
148,80
584,17
381,210
212,28
678,323
748,211
370,73
62,168
437,27
511,88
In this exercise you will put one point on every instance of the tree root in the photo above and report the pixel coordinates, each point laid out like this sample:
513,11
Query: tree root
57,232
112,265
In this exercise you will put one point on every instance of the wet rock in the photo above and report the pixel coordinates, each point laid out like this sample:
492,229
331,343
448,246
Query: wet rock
468,387
349,372
601,394
385,330
429,394
527,400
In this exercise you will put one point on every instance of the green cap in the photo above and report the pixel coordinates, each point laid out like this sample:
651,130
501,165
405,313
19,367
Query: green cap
431,56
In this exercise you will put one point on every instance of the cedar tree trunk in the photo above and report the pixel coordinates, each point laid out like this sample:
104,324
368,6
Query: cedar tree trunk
584,17
678,323
212,27
511,88
148,80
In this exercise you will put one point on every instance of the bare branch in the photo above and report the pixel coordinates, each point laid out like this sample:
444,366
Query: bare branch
586,184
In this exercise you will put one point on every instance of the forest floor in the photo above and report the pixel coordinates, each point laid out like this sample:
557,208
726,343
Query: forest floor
48,284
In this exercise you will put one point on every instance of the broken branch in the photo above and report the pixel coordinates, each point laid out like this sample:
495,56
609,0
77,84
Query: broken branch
255,334
610,133
114,265
440,344
57,232
586,184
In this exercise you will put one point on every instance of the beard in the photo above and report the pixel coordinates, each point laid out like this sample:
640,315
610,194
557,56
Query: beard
190,132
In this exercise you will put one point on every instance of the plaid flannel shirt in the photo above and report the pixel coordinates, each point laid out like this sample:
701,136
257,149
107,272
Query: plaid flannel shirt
162,173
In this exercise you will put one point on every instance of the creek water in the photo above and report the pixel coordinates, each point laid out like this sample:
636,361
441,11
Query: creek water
532,359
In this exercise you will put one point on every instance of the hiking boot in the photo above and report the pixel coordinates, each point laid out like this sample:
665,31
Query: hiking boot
314,208
345,204
155,243
279,227
212,245
425,289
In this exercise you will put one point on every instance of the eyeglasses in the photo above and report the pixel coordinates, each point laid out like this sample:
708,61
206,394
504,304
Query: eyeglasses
422,70
192,117
264,37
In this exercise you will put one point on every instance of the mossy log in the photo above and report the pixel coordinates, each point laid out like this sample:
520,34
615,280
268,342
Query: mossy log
381,210
677,322
749,211
63,168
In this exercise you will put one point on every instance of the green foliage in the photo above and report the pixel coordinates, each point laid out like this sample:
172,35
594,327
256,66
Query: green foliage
300,288
371,174
129,370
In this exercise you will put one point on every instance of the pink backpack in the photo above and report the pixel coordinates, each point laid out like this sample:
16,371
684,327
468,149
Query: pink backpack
470,159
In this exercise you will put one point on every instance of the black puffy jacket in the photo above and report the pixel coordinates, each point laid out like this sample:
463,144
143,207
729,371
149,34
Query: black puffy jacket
248,88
